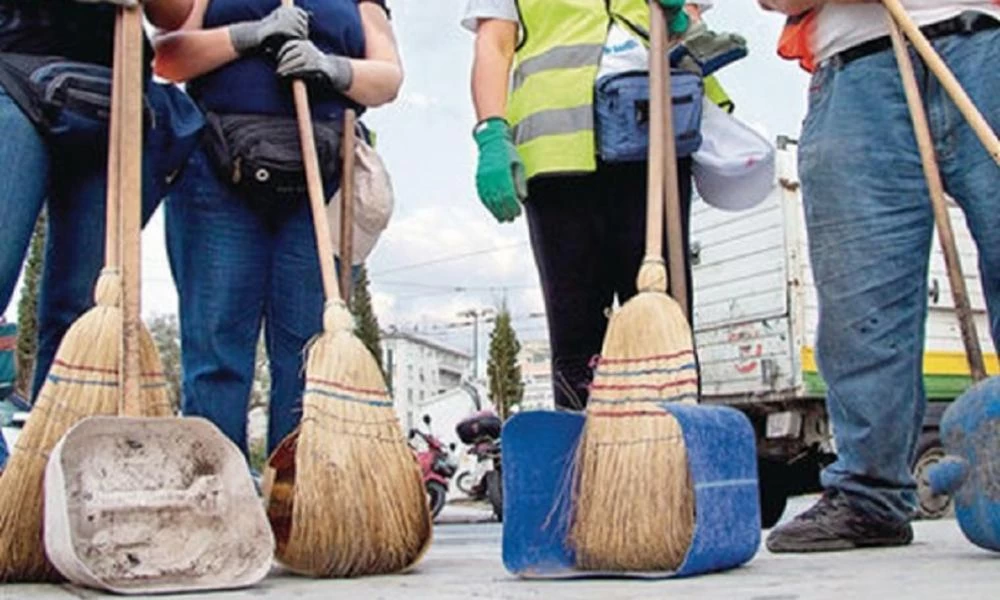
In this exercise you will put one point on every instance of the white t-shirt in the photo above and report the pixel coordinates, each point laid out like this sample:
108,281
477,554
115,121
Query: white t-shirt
507,10
841,26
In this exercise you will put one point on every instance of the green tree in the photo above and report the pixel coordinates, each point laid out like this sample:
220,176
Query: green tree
167,337
27,310
364,313
503,371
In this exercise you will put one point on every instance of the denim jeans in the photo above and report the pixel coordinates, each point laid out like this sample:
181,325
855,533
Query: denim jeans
233,274
73,183
870,228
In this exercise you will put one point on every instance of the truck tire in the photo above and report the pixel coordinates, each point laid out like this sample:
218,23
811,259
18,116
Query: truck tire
773,492
929,453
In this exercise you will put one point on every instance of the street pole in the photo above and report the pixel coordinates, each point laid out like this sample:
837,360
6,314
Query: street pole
474,314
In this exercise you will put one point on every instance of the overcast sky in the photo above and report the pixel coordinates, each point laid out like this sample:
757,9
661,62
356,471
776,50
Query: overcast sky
426,142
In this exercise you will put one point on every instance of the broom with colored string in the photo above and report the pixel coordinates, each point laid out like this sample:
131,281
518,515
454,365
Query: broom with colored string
84,378
357,504
900,18
634,503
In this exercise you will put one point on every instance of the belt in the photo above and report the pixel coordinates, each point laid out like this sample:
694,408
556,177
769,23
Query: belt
967,23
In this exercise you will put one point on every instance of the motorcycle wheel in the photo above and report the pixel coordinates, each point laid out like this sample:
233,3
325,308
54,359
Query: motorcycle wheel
464,483
494,491
436,495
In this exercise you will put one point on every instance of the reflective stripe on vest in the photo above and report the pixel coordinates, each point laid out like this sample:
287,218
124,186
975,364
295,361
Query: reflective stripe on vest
796,42
552,87
717,95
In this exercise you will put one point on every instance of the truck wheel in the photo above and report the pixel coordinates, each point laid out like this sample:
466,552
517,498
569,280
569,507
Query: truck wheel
773,492
929,453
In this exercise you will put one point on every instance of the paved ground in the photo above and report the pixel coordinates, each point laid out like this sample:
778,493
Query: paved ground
464,563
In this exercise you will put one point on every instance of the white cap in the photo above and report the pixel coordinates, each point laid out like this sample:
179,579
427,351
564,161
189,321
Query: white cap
373,203
734,167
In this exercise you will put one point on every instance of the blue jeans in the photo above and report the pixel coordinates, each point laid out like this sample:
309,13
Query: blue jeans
870,231
233,274
73,182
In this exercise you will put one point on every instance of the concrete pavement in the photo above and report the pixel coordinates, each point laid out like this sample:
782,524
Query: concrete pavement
464,562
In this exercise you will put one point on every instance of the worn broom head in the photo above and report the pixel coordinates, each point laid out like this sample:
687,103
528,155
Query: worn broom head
82,382
634,506
358,501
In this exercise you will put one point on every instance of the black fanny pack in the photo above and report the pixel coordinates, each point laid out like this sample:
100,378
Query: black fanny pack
67,100
261,156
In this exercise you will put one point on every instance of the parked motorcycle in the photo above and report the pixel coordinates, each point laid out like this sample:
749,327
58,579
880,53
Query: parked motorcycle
437,464
481,431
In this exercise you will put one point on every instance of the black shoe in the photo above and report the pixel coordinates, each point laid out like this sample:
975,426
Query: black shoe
833,524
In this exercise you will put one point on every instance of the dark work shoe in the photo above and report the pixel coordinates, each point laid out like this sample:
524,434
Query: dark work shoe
832,524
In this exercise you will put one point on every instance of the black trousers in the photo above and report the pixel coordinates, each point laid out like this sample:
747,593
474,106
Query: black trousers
588,236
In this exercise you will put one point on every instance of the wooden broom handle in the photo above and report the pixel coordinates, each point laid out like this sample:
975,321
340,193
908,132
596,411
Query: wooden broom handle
945,76
676,258
654,175
946,235
314,185
112,249
129,146
347,207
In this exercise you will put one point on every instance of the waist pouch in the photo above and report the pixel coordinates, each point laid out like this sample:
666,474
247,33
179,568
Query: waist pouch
68,101
621,105
261,157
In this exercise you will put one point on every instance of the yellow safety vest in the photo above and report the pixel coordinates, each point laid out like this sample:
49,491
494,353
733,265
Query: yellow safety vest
552,89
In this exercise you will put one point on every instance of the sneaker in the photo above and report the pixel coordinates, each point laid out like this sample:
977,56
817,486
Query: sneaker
833,524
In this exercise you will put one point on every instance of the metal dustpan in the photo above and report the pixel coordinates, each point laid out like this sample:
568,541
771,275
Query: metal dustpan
538,454
151,505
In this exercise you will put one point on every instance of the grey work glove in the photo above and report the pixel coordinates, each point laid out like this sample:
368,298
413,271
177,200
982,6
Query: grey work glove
303,60
284,23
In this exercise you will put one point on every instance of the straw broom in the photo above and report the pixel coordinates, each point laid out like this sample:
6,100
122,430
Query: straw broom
634,508
83,380
355,495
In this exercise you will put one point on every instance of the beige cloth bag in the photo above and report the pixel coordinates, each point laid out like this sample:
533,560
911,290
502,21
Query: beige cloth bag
373,202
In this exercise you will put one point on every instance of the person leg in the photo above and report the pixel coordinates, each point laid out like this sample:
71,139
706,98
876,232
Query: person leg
293,315
869,223
220,255
23,187
970,175
566,231
74,247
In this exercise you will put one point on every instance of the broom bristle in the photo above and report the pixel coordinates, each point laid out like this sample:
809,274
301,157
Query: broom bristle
81,383
634,508
359,505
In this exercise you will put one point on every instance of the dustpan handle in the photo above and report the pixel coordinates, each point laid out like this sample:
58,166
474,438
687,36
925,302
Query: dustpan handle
963,308
314,185
654,170
128,143
945,76
347,207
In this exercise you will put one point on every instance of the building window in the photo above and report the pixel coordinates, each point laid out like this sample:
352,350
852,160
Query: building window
409,396
421,395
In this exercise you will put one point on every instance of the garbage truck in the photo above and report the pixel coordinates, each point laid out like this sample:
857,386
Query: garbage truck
755,325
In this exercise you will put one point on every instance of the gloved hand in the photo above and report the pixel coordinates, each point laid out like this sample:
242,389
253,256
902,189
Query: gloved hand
302,59
500,176
677,19
282,24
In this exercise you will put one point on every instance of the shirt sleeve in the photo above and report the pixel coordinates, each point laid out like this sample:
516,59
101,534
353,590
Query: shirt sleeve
489,9
704,5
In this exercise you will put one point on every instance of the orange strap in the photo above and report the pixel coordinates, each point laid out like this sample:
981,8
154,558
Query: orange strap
796,42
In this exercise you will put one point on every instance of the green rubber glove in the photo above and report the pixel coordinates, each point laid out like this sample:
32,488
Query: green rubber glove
500,175
677,19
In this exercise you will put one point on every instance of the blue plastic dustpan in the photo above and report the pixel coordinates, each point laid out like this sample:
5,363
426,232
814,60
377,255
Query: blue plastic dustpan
538,451
970,430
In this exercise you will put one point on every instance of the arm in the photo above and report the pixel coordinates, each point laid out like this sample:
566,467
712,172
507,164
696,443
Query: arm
192,51
376,79
496,41
371,81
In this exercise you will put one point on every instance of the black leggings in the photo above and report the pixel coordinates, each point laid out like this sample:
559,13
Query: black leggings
588,236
